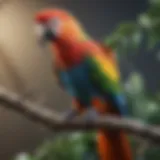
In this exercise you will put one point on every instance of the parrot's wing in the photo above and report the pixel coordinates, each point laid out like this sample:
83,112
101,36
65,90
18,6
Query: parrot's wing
104,71
105,76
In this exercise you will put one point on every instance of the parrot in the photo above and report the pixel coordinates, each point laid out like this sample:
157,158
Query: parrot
88,71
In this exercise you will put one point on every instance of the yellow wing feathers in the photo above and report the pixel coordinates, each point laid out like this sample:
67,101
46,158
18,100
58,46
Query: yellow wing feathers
107,66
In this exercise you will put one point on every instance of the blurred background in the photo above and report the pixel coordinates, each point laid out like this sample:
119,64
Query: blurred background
131,27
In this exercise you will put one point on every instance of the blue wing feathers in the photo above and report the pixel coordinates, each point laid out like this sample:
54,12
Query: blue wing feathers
78,84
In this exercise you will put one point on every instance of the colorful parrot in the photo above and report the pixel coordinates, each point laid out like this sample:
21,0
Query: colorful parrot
88,71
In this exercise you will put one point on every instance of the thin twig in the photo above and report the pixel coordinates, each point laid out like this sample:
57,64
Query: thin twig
55,121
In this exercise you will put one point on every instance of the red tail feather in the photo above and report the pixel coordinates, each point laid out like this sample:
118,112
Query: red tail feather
112,145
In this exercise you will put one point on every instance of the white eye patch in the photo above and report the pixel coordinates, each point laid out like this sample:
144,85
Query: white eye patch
40,30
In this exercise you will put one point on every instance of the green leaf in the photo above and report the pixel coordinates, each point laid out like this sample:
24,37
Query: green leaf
145,21
126,29
135,84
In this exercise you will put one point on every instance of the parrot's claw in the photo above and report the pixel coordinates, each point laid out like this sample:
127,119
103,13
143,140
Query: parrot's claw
71,114
90,115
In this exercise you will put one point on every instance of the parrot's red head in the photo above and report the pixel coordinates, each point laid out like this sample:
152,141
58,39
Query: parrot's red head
53,24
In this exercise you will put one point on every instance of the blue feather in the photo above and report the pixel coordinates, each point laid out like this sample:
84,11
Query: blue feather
77,83
120,103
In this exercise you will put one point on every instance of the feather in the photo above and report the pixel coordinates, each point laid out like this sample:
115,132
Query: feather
105,76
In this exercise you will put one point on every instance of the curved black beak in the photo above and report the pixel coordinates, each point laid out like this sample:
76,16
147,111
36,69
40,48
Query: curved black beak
49,35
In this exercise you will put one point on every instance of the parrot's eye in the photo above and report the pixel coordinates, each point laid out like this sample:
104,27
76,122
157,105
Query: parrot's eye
55,26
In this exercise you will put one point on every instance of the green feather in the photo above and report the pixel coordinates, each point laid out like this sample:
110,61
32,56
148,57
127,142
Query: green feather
101,79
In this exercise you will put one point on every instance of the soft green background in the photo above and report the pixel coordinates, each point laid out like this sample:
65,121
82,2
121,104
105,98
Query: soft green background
126,39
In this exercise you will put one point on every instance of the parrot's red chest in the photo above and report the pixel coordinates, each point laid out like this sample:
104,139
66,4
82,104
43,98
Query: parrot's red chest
70,54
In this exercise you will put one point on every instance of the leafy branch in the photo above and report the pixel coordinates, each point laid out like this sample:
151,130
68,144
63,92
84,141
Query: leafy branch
128,37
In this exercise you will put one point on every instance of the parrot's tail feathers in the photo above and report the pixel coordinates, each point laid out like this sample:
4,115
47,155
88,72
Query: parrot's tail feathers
113,145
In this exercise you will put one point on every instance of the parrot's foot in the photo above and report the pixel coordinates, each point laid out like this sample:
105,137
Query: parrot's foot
90,115
71,114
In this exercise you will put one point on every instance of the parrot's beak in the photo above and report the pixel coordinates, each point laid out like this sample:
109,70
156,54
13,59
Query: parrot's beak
49,35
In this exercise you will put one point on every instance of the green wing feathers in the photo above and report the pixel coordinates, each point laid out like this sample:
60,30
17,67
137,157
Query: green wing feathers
104,73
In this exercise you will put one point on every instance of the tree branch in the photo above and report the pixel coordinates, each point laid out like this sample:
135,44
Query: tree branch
55,121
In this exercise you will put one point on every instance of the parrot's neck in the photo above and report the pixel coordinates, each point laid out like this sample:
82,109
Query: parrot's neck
70,51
